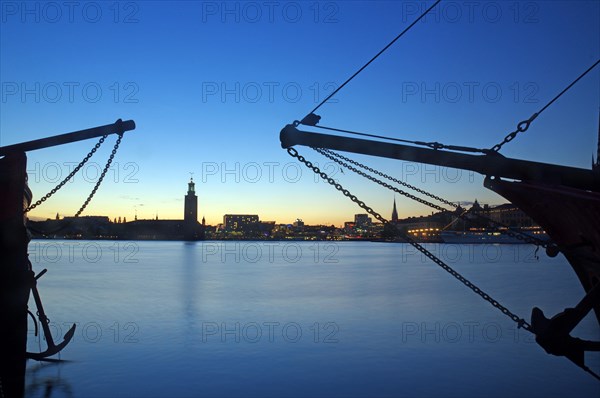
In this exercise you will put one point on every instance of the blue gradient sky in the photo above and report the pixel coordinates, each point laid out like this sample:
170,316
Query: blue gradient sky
211,84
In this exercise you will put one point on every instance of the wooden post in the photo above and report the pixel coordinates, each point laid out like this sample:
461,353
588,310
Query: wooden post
15,274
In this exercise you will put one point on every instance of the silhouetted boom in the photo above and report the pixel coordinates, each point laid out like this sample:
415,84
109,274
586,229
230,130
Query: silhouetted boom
494,165
118,127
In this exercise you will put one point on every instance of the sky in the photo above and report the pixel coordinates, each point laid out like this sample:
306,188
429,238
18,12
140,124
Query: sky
210,84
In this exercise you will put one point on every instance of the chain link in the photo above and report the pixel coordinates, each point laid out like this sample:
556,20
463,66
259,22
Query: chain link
326,152
521,128
522,323
71,174
76,169
496,226
108,163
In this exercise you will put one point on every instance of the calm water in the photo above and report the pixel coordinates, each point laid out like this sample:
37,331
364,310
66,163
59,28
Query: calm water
176,319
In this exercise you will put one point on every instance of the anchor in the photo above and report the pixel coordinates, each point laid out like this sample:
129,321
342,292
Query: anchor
554,334
52,348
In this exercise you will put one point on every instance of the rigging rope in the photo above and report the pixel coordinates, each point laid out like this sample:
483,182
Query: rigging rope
521,127
432,145
375,57
524,125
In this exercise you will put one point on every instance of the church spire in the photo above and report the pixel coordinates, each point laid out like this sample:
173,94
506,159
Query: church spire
394,212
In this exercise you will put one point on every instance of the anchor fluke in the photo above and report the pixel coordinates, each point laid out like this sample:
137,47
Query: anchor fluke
553,335
53,349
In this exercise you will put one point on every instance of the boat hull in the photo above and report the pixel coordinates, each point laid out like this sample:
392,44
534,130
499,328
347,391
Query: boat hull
570,217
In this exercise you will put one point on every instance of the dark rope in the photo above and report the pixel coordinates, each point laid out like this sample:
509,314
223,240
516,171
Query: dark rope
524,125
371,135
432,145
568,87
375,57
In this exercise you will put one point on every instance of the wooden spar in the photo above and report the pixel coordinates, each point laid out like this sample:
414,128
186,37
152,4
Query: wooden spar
118,127
488,165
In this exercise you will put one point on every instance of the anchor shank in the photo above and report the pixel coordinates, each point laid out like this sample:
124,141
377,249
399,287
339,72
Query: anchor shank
42,315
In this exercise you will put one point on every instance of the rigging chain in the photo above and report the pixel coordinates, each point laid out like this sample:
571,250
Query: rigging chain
76,169
104,171
522,323
338,158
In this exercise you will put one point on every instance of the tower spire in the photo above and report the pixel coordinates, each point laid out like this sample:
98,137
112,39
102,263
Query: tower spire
394,212
191,187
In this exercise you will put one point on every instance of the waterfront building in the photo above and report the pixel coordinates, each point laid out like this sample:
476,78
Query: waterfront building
298,224
240,222
510,215
100,227
362,220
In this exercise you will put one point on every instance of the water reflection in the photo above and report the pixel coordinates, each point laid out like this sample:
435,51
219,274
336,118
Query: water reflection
397,320
189,290
42,384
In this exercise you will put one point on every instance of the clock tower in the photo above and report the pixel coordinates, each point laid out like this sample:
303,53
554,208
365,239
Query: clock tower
190,211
